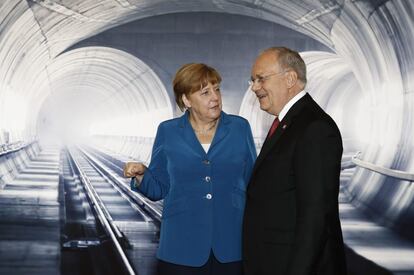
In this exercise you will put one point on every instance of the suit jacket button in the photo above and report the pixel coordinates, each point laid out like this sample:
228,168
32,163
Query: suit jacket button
209,196
207,179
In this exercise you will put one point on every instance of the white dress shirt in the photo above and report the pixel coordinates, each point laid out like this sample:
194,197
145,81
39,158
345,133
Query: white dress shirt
290,104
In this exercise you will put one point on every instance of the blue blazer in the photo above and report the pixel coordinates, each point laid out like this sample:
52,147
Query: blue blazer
204,193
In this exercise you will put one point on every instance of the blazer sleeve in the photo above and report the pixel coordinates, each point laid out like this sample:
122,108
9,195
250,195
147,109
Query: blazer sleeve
155,183
251,154
317,163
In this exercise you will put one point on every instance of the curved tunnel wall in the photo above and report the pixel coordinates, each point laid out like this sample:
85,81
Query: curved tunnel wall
166,42
374,38
375,55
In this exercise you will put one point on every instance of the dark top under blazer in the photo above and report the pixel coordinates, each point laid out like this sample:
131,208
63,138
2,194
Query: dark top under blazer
291,222
182,174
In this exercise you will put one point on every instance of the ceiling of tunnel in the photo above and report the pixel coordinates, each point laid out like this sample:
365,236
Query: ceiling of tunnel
56,25
165,42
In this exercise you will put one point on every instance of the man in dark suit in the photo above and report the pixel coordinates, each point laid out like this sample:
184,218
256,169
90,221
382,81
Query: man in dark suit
291,220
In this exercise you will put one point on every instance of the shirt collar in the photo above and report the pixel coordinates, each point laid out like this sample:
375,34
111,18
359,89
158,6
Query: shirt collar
290,104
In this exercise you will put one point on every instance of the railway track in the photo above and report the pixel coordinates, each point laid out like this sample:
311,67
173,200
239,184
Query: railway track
106,217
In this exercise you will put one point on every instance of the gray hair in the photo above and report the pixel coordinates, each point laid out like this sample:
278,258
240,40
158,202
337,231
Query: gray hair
290,60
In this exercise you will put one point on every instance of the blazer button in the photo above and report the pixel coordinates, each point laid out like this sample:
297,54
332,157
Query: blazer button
207,179
209,196
206,162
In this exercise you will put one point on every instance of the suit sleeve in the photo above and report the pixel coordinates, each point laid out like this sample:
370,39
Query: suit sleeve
251,151
155,183
317,163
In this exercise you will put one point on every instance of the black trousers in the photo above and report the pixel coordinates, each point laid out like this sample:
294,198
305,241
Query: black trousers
211,267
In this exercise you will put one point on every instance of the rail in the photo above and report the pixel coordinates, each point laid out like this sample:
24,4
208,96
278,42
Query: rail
398,174
107,224
138,198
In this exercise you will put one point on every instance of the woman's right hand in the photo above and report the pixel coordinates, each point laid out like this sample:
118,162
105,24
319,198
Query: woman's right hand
134,169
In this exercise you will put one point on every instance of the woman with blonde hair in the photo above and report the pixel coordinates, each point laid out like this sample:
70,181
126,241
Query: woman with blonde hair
201,163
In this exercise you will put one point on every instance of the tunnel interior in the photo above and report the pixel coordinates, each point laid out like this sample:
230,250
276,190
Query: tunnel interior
101,74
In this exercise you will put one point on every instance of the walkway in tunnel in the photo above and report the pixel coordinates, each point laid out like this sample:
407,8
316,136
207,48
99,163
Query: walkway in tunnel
30,218
382,251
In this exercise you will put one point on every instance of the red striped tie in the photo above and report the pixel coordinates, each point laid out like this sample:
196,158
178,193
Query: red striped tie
274,127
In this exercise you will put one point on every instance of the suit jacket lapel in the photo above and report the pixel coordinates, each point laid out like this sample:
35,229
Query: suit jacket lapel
268,144
281,129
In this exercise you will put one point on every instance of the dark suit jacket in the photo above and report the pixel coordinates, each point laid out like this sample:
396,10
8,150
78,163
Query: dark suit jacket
291,222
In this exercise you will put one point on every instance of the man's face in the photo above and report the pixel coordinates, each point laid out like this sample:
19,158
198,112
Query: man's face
270,83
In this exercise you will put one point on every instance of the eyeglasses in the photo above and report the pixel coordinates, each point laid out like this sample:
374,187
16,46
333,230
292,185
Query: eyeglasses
261,79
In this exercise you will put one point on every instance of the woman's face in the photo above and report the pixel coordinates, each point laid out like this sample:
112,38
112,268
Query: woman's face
205,103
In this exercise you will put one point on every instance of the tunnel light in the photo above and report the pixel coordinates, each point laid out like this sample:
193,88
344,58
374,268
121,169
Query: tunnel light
143,125
362,128
102,91
14,113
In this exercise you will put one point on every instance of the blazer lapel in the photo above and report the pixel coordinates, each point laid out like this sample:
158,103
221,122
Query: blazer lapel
281,129
222,130
189,136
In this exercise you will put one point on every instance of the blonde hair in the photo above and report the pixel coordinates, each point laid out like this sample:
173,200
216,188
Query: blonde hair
191,78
